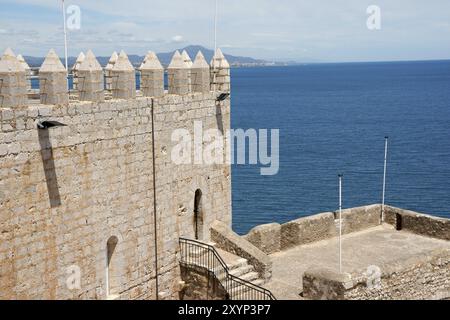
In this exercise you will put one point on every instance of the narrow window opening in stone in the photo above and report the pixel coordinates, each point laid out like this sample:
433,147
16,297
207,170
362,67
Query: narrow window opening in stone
112,276
398,221
198,215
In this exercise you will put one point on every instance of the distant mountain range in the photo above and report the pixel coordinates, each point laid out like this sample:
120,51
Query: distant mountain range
166,57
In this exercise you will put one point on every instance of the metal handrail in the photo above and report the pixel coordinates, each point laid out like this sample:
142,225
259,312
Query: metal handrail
237,288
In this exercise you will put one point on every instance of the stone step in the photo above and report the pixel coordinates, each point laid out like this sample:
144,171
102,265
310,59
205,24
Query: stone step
237,264
243,292
242,270
259,282
200,251
250,276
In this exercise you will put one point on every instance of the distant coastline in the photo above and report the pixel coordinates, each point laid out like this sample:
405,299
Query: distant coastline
235,61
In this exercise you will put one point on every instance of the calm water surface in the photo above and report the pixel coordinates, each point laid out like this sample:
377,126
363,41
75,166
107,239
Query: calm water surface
333,119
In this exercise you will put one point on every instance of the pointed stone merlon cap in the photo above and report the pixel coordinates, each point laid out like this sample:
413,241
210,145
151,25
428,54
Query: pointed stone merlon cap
152,76
75,68
112,61
13,84
178,74
123,76
220,73
200,74
188,62
79,60
24,64
53,80
108,69
90,84
27,68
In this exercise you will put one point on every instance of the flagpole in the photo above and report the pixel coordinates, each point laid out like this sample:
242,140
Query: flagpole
65,42
216,13
215,25
386,139
340,223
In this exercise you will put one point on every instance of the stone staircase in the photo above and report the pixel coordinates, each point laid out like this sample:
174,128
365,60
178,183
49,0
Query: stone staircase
240,268
243,275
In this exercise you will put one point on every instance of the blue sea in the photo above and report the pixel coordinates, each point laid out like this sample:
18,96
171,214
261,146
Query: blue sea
333,119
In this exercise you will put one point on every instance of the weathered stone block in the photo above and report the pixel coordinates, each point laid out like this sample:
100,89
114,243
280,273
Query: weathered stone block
228,240
307,230
360,218
266,237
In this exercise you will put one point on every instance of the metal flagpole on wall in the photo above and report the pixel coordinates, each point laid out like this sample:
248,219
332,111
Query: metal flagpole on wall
65,42
215,25
216,13
340,223
386,140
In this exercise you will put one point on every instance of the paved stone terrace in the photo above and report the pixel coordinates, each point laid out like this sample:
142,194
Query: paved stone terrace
374,246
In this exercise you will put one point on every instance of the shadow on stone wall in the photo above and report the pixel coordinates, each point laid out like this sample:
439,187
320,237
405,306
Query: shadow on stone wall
219,117
201,285
48,164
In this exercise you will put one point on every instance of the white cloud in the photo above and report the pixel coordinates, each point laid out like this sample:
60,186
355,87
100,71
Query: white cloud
177,38
269,29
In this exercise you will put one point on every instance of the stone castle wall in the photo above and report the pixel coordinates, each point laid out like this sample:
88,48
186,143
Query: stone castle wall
67,192
423,277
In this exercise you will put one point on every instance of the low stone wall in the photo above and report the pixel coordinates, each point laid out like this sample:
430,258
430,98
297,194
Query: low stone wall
324,284
424,277
418,223
274,237
307,230
266,237
228,240
360,218
200,284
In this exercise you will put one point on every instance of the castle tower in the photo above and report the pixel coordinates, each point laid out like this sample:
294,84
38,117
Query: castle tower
75,69
13,84
27,68
220,72
108,70
152,76
200,74
178,73
90,85
123,76
187,60
53,80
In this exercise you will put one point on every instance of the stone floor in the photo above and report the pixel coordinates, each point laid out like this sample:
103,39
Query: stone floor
373,246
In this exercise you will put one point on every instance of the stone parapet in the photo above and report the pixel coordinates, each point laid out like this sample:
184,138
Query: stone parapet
266,237
90,77
152,76
178,74
200,75
308,229
13,83
53,81
123,78
423,277
226,239
220,73
418,223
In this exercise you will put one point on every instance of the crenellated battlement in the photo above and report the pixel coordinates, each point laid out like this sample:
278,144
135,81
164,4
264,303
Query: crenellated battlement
117,80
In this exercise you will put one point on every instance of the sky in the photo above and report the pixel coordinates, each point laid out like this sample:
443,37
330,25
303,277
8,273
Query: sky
280,30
